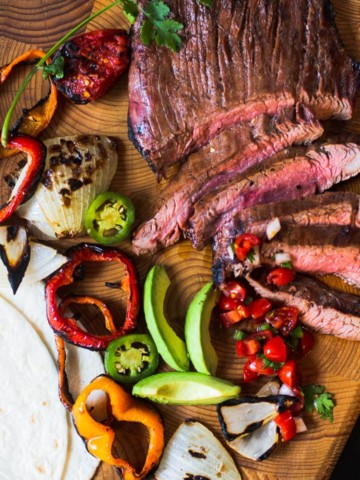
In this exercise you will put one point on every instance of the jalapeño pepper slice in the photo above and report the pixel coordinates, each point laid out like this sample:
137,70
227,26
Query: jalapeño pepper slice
109,218
131,358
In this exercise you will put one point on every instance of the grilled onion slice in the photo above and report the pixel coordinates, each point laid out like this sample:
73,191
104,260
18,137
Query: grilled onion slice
194,452
77,169
14,253
259,444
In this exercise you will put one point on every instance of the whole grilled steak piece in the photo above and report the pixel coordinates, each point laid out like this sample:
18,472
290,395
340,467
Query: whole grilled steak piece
330,208
231,152
323,309
300,174
238,59
319,250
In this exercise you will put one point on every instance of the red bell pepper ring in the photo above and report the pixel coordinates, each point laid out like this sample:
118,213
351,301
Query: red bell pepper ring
243,244
280,276
67,328
286,423
28,181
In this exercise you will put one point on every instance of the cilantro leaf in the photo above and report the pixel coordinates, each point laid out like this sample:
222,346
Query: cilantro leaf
316,398
130,10
251,256
55,68
239,335
157,26
207,3
287,265
269,363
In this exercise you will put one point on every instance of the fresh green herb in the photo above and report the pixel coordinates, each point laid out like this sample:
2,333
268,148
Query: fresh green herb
265,326
251,255
207,3
269,363
287,265
297,332
130,10
158,27
316,398
55,68
239,334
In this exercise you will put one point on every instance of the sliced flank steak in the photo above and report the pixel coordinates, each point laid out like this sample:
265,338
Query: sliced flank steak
238,60
322,308
231,152
277,179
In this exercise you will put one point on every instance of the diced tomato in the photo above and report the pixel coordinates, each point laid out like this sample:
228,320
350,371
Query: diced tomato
262,335
275,349
259,307
234,289
257,365
283,319
230,318
280,276
243,244
248,346
248,374
227,303
306,342
288,374
285,421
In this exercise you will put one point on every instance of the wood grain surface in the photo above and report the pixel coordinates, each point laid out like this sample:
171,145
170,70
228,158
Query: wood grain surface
334,363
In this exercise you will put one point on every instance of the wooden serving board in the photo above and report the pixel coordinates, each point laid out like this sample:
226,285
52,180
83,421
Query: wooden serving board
334,363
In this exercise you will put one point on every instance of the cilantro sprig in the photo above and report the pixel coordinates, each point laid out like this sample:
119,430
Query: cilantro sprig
316,398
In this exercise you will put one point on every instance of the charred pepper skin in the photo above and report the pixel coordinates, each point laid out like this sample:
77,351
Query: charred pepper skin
36,154
99,438
93,63
67,328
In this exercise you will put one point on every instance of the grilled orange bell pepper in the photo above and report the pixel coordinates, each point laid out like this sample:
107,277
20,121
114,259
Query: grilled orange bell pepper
99,438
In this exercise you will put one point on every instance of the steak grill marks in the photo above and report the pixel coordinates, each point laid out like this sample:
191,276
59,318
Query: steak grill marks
235,64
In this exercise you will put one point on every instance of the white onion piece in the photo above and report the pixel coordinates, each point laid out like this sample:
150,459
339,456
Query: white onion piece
259,444
272,228
39,226
193,451
286,390
44,261
77,169
270,388
300,425
255,256
282,257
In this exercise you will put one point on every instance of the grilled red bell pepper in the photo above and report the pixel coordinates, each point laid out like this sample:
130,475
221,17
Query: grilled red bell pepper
67,328
92,63
26,185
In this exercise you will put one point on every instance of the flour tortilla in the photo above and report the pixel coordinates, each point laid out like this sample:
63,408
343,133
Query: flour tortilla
33,424
83,366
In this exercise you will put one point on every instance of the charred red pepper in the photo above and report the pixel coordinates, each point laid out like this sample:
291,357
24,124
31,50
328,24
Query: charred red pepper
26,185
280,276
243,245
286,423
92,63
67,328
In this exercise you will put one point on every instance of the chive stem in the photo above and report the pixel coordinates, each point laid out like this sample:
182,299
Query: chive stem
39,65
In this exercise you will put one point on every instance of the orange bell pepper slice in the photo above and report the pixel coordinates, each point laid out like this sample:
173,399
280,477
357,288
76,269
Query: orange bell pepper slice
99,437
33,121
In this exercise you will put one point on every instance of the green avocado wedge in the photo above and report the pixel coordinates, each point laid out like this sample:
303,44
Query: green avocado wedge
185,388
197,335
170,347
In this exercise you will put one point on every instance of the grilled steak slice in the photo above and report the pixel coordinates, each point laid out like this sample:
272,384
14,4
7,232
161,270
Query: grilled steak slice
235,63
299,175
323,309
320,250
330,208
230,152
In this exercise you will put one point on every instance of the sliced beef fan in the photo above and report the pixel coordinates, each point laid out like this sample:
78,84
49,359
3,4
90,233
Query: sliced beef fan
235,63
231,152
320,250
299,175
330,208
322,308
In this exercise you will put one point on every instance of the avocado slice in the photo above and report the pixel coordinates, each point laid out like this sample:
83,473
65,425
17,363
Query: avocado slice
185,388
171,348
197,334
